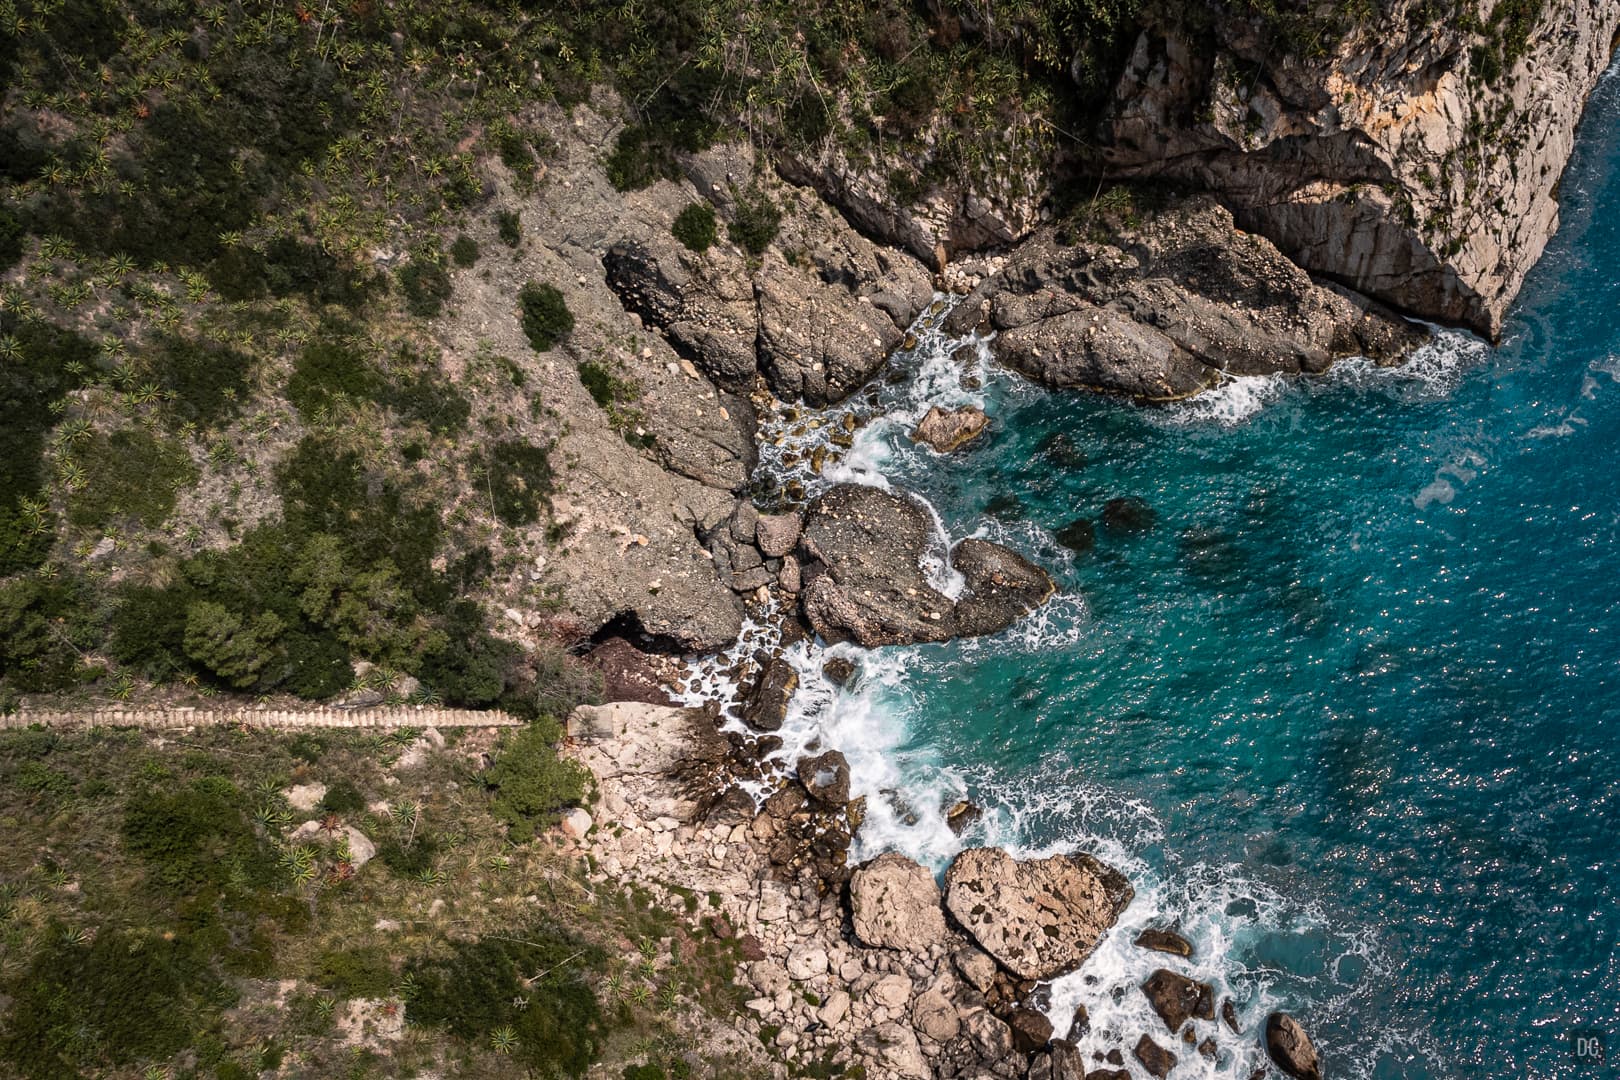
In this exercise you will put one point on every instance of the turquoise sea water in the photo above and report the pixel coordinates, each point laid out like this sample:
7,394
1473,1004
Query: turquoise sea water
1349,712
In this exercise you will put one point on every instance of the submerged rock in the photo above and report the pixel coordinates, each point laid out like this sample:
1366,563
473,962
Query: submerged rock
949,429
1291,1049
1039,918
838,671
1128,514
895,904
871,588
1078,535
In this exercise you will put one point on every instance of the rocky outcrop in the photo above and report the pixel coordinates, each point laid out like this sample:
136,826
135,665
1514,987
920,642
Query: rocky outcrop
950,429
1038,918
1165,941
816,328
766,705
1417,162
670,761
1291,1049
894,903
1178,999
1161,310
865,547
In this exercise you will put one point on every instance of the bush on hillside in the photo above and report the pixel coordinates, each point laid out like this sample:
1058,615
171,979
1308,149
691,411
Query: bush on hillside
695,227
531,783
546,318
756,221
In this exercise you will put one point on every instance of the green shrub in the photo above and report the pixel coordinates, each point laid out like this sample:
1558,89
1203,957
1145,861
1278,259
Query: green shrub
328,369
464,251
512,147
235,648
426,285
469,667
116,1000
408,856
531,783
207,382
509,227
644,1072
129,475
546,318
490,983
520,481
45,628
195,837
695,226
756,221
362,973
342,797
12,237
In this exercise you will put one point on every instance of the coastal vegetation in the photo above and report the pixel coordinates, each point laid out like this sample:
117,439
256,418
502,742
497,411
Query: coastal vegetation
154,891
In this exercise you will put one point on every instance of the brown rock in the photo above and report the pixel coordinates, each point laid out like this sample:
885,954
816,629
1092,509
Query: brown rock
1165,941
949,429
766,706
1031,1031
627,674
1229,1014
826,778
838,671
1178,999
1291,1049
962,814
778,534
1038,918
1154,1058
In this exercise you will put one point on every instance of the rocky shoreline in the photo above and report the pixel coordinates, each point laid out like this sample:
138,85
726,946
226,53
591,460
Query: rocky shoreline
875,966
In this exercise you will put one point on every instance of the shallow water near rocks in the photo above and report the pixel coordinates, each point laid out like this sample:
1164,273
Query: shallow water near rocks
1346,712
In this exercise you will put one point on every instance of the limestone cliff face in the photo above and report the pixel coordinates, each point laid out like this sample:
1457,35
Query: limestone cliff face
1394,165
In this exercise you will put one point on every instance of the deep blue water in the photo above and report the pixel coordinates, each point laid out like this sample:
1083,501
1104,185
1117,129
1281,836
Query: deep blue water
1348,711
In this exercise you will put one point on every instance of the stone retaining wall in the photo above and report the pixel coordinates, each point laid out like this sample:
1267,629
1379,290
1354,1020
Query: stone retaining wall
385,717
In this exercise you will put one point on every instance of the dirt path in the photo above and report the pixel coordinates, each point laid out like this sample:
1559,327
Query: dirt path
399,716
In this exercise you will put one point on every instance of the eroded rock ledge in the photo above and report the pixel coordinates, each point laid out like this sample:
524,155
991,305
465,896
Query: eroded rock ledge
864,548
1160,309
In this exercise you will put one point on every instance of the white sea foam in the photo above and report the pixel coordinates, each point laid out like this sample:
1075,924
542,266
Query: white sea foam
1049,807
1432,372
1232,401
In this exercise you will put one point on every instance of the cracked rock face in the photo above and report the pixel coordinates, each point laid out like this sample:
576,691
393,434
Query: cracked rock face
1161,310
866,547
1396,164
1039,918
895,904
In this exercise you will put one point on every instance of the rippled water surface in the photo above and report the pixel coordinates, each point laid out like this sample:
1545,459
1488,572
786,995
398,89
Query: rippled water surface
1347,711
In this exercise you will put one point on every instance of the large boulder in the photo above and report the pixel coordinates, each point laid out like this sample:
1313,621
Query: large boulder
895,904
894,1049
950,429
868,545
1291,1049
1039,918
766,705
826,778
1154,1058
1178,999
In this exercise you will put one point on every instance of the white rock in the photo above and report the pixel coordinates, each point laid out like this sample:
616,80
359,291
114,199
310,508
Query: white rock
808,961
834,1009
892,991
305,797
576,823
361,849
